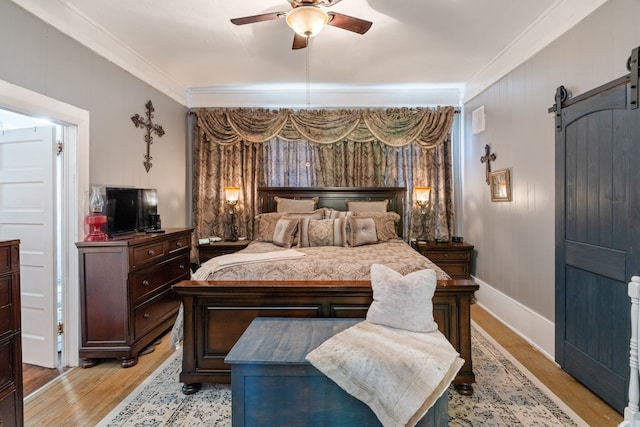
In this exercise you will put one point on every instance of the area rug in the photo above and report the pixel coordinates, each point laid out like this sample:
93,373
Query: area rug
505,394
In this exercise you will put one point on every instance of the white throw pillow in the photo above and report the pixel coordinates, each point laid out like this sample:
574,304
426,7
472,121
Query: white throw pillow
402,302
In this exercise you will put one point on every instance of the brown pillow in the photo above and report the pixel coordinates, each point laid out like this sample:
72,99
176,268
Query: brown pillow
266,226
285,232
367,205
322,232
386,224
362,231
295,205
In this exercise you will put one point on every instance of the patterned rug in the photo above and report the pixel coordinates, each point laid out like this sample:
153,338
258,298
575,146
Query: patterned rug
505,394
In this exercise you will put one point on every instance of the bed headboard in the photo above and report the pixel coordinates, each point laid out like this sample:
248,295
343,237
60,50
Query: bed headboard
335,197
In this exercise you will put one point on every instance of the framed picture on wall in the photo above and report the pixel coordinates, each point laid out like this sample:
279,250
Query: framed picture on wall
500,185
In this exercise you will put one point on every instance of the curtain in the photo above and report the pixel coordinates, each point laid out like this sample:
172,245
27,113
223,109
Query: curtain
249,148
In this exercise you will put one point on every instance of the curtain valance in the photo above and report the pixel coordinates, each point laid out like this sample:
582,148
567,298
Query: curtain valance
396,127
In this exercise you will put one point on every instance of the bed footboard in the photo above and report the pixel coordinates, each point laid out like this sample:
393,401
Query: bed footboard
216,314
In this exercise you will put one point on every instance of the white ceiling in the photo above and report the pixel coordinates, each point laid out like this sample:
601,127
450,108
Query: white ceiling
439,49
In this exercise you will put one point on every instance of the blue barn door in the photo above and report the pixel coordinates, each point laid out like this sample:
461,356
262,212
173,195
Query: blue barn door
597,236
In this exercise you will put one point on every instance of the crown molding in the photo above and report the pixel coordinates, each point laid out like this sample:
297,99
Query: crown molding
322,96
557,20
81,28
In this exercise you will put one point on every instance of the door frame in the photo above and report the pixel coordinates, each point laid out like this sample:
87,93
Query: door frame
76,178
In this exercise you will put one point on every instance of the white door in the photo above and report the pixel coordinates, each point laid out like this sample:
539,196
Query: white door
27,193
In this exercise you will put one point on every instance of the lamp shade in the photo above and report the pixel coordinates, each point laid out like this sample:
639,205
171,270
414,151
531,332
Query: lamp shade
422,194
231,194
307,20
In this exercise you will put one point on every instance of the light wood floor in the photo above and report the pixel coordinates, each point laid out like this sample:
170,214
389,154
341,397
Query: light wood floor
82,397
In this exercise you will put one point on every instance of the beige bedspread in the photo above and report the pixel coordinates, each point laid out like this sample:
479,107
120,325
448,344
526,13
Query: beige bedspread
399,374
329,263
319,263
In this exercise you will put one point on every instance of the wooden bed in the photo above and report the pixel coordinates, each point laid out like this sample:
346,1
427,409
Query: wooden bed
216,313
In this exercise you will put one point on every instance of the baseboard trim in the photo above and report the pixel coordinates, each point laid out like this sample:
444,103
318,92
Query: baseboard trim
533,328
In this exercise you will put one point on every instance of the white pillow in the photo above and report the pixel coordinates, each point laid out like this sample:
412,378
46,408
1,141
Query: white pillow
402,302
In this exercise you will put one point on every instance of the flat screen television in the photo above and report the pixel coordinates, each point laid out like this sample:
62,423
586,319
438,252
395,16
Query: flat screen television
129,209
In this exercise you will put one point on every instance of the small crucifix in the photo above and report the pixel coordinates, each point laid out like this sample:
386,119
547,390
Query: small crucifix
140,123
487,158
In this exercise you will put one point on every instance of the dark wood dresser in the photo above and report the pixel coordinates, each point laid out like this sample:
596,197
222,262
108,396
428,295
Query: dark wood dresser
454,258
11,407
126,300
213,249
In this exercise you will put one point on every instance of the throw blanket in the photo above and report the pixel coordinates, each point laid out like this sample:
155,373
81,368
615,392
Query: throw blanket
399,374
220,262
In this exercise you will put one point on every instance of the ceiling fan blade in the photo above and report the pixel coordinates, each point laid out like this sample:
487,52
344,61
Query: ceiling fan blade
299,42
258,18
349,23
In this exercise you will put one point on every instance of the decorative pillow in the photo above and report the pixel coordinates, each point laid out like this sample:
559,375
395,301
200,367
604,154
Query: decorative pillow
285,231
322,232
362,231
402,302
332,213
386,224
367,206
265,226
295,205
317,214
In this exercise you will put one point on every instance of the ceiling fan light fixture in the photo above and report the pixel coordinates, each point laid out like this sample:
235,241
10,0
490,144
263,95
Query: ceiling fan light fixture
307,20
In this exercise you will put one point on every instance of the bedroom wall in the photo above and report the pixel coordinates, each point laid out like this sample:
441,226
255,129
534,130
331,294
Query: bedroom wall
515,240
40,58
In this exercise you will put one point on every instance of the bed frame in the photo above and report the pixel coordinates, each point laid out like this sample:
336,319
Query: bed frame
216,313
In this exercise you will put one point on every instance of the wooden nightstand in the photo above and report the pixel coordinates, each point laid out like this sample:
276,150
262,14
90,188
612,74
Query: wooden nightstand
214,249
454,258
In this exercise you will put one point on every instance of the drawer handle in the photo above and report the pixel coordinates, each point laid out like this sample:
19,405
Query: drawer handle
181,267
145,283
146,315
150,252
179,244
446,255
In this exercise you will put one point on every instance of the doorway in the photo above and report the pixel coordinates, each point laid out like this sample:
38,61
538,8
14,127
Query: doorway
74,173
30,171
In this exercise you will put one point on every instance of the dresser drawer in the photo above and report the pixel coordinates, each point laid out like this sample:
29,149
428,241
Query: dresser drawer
148,281
148,316
147,253
8,323
8,374
9,407
446,256
5,259
179,243
456,271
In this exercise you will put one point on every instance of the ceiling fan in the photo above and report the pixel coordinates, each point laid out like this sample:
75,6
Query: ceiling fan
307,19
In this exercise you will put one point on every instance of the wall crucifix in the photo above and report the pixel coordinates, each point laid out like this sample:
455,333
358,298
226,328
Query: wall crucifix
487,158
150,127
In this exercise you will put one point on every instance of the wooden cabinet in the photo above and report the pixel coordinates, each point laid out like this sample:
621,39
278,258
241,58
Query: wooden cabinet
454,258
214,249
11,408
125,290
